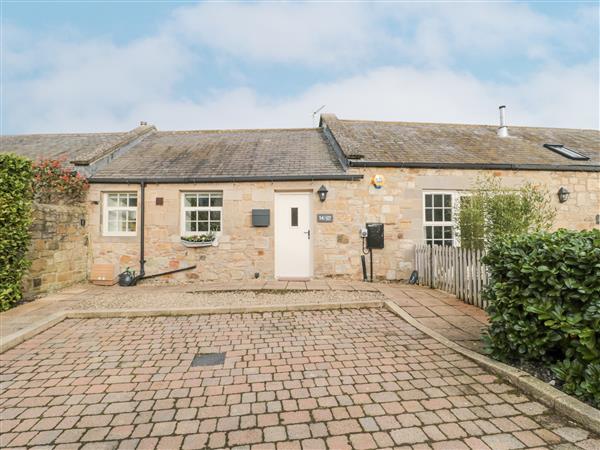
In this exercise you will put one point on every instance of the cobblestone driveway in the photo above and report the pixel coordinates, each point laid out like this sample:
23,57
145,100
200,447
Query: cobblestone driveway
326,379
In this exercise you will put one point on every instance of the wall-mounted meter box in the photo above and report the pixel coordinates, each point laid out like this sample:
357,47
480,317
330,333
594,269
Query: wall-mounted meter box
374,235
261,217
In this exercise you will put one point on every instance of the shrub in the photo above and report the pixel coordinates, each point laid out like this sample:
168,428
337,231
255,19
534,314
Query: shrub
54,182
493,211
544,296
15,218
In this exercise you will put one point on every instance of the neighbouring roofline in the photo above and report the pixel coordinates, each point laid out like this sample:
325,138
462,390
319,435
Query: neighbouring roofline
332,116
339,153
130,137
225,179
478,166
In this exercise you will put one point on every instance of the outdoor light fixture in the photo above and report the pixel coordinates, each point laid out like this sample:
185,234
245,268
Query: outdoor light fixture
322,193
563,195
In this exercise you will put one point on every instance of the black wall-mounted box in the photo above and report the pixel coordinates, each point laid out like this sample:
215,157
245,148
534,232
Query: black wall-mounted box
375,235
261,217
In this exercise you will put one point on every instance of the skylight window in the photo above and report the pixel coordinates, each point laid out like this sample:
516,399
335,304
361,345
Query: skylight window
566,152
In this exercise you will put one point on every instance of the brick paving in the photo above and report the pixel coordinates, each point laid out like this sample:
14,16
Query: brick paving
437,310
339,379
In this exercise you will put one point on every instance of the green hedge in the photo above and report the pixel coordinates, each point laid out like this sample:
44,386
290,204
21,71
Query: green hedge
545,305
15,218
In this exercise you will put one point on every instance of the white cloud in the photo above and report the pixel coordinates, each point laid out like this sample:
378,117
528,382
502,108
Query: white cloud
92,83
54,84
306,33
345,34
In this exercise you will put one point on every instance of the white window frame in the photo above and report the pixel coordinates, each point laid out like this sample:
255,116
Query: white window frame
208,208
451,223
106,208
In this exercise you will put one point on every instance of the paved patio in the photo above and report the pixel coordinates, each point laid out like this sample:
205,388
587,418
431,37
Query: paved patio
340,379
436,309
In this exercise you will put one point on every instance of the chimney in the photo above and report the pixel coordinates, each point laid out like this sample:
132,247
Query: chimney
502,130
143,123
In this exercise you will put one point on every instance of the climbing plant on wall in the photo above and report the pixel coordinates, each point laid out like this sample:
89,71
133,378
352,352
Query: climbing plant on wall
54,182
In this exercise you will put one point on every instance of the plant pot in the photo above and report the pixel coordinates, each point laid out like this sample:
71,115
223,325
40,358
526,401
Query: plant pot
198,244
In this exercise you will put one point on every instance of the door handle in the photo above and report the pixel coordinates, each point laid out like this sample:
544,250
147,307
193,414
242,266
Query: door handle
307,232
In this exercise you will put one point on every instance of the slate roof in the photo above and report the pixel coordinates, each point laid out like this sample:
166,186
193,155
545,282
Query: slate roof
425,144
79,148
262,154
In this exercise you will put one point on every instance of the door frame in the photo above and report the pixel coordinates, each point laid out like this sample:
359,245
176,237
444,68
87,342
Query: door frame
308,193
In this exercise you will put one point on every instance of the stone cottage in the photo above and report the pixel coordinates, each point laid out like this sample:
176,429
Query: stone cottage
290,203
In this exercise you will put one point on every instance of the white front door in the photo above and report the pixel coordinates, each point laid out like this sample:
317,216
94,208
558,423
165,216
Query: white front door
293,240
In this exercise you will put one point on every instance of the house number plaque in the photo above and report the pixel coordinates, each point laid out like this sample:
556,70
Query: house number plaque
325,218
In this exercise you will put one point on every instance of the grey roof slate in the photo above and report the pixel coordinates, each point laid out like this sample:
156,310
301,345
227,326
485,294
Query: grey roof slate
79,148
427,143
229,153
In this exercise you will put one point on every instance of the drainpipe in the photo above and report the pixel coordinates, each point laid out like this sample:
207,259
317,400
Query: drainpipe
142,226
142,275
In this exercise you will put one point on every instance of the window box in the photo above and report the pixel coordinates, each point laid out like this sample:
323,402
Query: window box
202,240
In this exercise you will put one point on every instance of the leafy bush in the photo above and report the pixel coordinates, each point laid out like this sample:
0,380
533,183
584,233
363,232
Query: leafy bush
54,182
493,211
544,296
15,218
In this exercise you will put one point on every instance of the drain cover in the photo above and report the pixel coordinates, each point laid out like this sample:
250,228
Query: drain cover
208,359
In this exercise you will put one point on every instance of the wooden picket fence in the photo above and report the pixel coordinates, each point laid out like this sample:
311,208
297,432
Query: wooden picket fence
453,269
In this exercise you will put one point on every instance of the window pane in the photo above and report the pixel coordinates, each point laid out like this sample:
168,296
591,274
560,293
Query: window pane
437,200
215,215
215,226
448,243
188,215
112,226
428,200
202,215
122,216
112,199
123,200
112,216
438,242
190,200
123,226
131,226
131,216
438,215
203,226
437,232
294,217
132,200
447,232
428,231
428,215
216,201
448,215
203,200
193,226
447,200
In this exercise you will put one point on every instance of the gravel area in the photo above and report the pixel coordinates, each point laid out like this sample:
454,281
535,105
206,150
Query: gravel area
185,299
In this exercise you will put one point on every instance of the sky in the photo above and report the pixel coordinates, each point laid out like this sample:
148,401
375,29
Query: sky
106,66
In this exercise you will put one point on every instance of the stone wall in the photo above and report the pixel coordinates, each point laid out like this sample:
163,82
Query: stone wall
244,250
58,251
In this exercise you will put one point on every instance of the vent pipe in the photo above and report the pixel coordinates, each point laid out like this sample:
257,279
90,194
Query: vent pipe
502,130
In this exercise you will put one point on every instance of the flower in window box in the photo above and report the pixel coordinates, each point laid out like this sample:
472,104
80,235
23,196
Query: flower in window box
199,240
